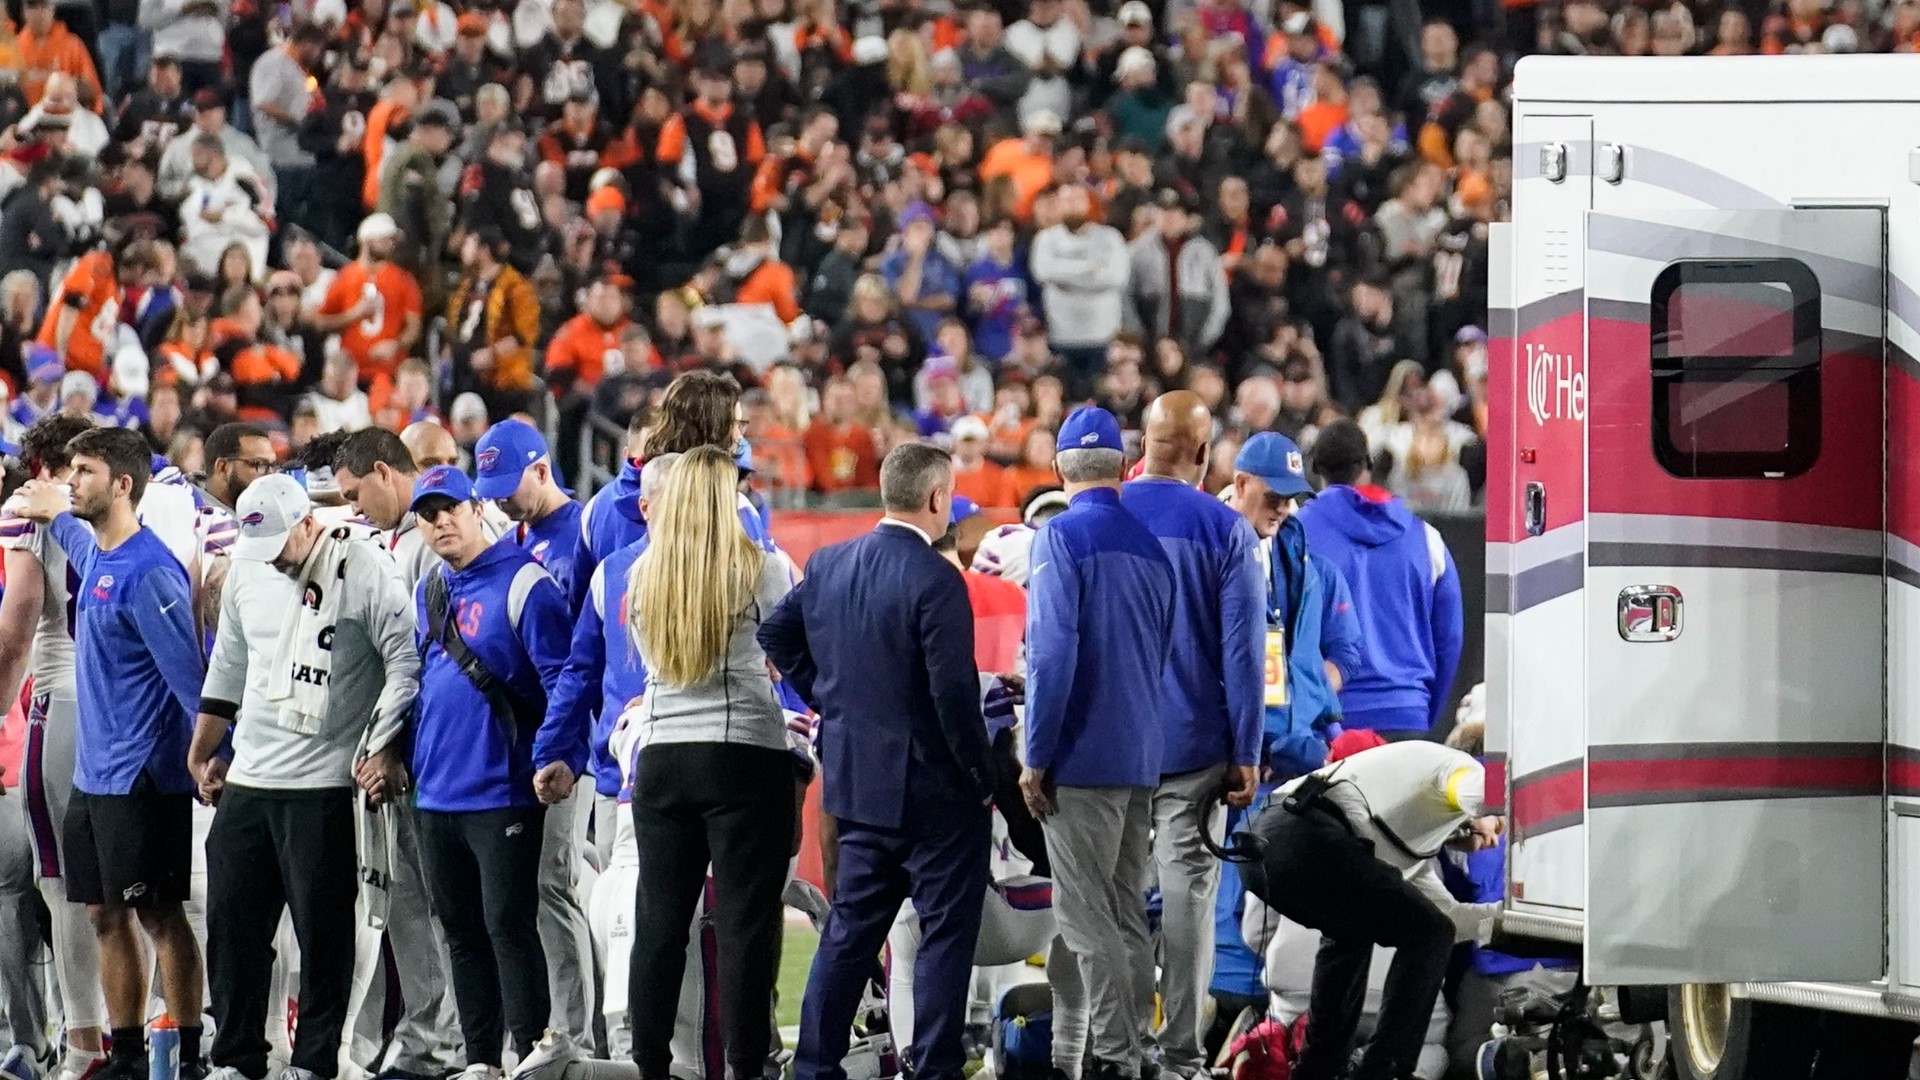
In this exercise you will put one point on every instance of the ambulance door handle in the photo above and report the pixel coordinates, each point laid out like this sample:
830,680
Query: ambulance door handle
1650,613
1536,507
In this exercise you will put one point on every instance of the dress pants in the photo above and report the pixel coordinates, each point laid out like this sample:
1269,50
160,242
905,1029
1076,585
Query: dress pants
1097,840
938,858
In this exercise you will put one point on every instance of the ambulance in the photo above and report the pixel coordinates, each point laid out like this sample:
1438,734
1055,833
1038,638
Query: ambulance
1703,527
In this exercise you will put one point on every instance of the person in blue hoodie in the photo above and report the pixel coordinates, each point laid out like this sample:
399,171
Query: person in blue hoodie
486,762
611,520
515,471
1313,644
1405,590
1100,619
1212,727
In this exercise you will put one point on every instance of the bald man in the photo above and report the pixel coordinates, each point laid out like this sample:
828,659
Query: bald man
1213,707
430,444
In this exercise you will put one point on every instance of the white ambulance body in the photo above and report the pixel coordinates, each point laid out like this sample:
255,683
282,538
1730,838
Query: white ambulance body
1703,524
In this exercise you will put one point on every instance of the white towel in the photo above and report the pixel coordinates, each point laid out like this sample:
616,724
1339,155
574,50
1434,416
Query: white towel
304,655
376,841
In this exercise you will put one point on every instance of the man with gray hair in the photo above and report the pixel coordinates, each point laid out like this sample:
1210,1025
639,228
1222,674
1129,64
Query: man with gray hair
879,641
1100,605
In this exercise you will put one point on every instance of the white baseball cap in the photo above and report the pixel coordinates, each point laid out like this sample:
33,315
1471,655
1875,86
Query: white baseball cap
378,227
968,427
267,511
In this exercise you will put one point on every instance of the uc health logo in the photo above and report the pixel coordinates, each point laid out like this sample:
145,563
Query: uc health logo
1556,387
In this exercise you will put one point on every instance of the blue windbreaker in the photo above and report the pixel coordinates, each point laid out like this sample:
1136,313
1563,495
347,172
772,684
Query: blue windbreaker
1407,594
1213,686
1309,595
1100,613
558,544
611,520
511,615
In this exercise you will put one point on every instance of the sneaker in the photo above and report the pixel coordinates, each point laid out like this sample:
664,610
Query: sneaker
224,1072
478,1071
22,1063
123,1068
80,1065
295,1072
549,1058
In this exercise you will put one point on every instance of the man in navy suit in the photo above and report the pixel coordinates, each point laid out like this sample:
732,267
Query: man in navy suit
878,639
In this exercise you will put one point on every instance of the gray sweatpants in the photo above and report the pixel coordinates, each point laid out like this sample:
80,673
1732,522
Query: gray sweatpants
1097,839
23,961
1189,878
427,1039
564,934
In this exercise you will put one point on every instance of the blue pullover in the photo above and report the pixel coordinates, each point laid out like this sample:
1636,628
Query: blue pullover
611,520
511,615
1407,594
557,543
1100,611
1214,689
138,665
1308,595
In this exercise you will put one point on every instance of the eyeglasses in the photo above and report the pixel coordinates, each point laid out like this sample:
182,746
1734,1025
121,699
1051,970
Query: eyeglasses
1272,501
433,512
256,464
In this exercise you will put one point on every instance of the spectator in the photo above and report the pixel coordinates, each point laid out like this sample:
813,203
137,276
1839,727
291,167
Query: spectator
373,304
1178,287
564,62
726,147
1025,162
1364,348
494,318
31,238
177,166
842,453
410,193
875,331
758,275
1142,106
588,345
973,475
1032,470
986,65
926,284
1424,451
1399,400
976,379
279,96
997,291
338,403
1136,32
1048,43
1437,77
225,204
1082,268
576,141
47,46
497,193
1405,590
286,326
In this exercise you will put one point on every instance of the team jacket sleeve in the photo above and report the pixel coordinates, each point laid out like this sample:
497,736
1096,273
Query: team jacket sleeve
1447,643
546,634
76,540
1243,631
946,639
1339,624
783,637
1053,645
388,616
576,690
167,630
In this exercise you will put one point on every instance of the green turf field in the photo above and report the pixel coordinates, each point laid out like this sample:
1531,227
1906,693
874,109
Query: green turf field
796,958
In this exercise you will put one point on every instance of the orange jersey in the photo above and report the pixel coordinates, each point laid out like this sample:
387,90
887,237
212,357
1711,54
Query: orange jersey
584,347
982,484
394,296
60,51
94,280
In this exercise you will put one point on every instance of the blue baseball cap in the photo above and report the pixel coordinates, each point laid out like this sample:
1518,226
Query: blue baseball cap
963,508
1090,428
43,364
502,456
444,481
1275,459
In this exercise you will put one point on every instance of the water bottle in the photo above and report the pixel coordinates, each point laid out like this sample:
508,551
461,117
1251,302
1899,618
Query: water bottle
163,1049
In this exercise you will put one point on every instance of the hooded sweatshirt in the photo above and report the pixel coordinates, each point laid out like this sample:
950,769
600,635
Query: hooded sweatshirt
611,521
1407,595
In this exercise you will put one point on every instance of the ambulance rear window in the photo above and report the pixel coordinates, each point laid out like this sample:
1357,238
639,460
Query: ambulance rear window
1736,368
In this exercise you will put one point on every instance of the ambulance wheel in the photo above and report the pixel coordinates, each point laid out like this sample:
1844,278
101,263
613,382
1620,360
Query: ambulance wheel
1863,1048
1715,1036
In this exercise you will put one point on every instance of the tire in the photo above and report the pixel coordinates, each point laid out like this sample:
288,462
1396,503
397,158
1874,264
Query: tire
1863,1048
1714,1036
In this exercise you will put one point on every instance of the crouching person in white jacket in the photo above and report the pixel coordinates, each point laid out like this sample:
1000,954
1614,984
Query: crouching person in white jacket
1349,851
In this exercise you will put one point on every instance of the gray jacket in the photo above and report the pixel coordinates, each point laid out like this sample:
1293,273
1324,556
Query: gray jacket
737,703
375,671
199,38
1203,299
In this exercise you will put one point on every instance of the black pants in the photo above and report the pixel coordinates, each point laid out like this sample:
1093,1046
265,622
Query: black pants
1317,873
483,879
684,818
266,851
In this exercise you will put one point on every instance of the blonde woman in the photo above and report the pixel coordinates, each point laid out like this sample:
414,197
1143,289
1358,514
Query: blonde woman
713,782
909,65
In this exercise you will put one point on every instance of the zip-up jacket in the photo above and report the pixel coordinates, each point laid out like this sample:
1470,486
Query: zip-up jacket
1308,595
611,520
1407,594
555,542
511,615
602,657
1214,685
1100,618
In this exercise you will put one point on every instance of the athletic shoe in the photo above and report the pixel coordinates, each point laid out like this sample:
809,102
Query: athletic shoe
479,1071
80,1065
21,1063
123,1068
295,1072
549,1058
224,1072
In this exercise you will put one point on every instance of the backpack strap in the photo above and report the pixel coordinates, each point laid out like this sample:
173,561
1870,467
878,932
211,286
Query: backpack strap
441,631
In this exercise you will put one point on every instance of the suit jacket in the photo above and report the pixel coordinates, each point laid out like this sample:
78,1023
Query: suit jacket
878,639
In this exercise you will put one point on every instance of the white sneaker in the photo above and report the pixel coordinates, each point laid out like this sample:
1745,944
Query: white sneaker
79,1064
21,1063
549,1058
225,1072
476,1071
294,1072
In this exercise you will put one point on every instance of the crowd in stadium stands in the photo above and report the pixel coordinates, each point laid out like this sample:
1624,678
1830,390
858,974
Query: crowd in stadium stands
889,219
